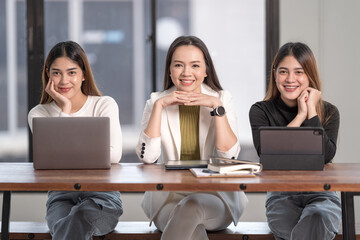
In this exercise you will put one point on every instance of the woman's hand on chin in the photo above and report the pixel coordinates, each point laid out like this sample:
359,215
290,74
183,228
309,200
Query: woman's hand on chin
63,102
302,104
313,99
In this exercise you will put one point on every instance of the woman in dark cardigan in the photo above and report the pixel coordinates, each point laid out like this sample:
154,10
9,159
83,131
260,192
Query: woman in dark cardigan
294,99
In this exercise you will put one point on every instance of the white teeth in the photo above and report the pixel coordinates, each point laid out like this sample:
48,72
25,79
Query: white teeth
290,87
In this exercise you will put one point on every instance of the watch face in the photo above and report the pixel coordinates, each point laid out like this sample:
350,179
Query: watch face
220,110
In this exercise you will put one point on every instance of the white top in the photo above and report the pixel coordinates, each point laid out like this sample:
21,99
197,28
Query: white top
95,106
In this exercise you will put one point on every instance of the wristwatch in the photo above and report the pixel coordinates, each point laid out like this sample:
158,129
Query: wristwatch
218,111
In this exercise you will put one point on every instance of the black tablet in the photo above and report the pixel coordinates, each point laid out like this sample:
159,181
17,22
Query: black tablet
292,148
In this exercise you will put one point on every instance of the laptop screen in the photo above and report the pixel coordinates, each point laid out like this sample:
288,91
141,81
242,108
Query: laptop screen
71,143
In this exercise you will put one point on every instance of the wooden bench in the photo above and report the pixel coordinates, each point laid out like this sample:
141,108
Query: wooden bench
142,230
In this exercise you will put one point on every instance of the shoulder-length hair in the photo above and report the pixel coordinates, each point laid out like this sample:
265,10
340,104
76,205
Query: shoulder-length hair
303,54
211,80
74,52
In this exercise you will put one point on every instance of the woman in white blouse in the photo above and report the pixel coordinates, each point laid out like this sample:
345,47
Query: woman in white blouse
69,90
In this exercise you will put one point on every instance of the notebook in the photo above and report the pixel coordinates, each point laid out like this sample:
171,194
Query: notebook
292,148
71,143
185,164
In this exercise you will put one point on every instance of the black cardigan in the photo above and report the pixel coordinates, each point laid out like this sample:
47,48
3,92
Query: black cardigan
276,113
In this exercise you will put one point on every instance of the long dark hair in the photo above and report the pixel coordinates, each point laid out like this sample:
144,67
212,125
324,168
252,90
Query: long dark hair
303,54
211,80
73,51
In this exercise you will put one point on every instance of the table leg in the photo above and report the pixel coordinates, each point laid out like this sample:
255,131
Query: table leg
348,216
5,216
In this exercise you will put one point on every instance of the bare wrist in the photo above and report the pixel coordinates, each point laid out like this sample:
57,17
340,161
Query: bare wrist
301,118
216,103
311,113
66,109
159,104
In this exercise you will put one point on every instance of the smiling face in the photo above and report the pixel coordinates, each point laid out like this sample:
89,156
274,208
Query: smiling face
188,68
291,80
67,77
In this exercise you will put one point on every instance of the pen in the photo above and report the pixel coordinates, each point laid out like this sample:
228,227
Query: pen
208,171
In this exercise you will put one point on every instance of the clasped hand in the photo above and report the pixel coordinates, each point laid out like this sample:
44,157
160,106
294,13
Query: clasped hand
307,102
189,99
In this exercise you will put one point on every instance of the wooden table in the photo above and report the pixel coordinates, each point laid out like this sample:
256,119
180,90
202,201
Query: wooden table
132,177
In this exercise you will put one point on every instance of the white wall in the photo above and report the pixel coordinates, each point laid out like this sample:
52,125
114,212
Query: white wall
234,32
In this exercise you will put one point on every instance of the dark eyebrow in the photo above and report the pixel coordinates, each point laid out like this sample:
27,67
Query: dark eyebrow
300,68
69,69
196,61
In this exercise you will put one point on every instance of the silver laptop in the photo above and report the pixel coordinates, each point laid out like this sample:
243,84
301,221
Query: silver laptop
71,143
292,148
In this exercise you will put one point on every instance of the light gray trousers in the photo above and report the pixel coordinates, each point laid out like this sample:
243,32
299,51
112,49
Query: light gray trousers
303,215
80,215
188,216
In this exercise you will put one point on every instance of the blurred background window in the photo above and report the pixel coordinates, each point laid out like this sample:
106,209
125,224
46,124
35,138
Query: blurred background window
13,81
